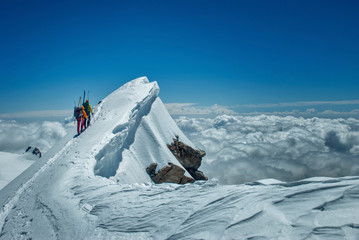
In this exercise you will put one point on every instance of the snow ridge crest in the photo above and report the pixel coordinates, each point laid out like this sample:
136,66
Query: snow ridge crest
110,156
135,130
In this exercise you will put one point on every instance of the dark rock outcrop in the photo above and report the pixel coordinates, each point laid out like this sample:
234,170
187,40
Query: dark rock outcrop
189,158
168,174
197,175
34,151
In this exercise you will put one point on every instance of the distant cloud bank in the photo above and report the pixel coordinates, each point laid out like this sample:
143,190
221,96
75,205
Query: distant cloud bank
311,112
194,109
247,148
300,104
37,114
15,137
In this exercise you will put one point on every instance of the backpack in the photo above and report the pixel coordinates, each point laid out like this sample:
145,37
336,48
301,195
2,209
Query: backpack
78,112
87,107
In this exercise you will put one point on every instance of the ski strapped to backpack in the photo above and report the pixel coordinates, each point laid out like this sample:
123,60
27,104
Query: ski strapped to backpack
77,109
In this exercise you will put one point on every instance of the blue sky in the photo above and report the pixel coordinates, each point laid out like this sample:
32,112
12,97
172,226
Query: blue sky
237,54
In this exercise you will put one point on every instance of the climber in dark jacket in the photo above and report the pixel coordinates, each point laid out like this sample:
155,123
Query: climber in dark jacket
88,110
78,114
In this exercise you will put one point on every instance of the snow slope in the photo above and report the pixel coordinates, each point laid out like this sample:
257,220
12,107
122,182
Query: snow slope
12,165
94,186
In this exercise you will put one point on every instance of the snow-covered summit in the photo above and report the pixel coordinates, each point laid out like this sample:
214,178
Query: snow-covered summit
95,186
132,129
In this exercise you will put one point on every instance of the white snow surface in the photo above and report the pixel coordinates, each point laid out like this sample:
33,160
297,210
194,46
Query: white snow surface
94,186
12,165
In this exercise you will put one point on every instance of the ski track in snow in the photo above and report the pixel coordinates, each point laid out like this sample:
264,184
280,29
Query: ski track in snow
65,199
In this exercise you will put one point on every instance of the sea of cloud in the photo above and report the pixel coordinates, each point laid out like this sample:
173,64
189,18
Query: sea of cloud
239,148
243,149
15,137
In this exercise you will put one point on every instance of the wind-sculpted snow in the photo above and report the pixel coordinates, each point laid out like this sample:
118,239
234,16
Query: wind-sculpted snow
109,158
62,197
206,210
16,137
136,129
102,209
241,149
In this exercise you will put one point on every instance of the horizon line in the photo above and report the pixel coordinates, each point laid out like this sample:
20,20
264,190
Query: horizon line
177,109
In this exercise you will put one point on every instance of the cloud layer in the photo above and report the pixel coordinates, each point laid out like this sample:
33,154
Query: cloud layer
242,149
300,104
193,109
15,137
37,114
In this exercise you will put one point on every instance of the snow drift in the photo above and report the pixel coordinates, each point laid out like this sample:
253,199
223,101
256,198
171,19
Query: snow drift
137,129
95,187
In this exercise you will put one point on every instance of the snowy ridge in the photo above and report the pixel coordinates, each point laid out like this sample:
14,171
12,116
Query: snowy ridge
100,148
131,140
95,187
17,187
110,155
12,164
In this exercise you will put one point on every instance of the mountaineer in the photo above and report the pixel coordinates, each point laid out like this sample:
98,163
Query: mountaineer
84,119
80,116
88,110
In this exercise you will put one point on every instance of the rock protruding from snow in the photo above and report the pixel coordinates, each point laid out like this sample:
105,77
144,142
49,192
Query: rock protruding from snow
132,128
35,151
189,158
168,174
197,175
